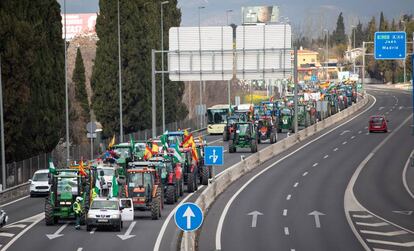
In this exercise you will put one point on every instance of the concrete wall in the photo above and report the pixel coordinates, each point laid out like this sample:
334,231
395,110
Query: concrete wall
14,193
207,197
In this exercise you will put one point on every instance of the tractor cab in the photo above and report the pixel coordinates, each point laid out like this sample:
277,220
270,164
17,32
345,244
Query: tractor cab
285,122
175,138
244,136
229,128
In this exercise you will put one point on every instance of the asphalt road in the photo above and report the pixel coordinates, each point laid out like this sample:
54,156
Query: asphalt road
314,180
27,228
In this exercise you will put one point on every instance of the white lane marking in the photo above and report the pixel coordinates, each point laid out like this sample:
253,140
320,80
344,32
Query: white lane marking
378,224
292,249
359,132
344,143
387,112
362,216
286,231
404,175
214,141
315,164
392,243
350,201
12,202
57,233
285,212
227,207
380,249
392,233
6,234
336,149
400,108
296,184
225,151
36,219
326,156
15,226
380,108
353,137
304,174
127,235
288,197
366,127
346,131
367,133
79,249
167,220
93,230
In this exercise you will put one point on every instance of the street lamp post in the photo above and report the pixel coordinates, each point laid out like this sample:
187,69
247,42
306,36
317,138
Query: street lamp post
162,65
405,56
121,127
66,91
228,81
327,53
227,16
201,78
3,155
353,57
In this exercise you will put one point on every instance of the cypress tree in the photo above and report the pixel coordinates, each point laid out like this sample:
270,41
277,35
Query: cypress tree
338,35
78,79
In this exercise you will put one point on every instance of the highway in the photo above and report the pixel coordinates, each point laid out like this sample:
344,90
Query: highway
26,224
297,201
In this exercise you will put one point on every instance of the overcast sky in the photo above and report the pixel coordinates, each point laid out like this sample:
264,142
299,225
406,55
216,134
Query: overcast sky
306,15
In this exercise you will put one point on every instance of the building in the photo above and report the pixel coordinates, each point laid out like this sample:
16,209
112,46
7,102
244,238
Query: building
352,54
308,64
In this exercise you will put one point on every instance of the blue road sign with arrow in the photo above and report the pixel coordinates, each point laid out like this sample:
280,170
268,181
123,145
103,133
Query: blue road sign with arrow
213,155
390,45
188,217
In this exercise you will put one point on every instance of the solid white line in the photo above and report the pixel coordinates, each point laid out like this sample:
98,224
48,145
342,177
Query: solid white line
167,221
336,149
326,156
37,218
285,212
296,184
304,174
286,231
227,207
404,175
378,224
392,233
288,197
315,164
6,234
12,202
366,216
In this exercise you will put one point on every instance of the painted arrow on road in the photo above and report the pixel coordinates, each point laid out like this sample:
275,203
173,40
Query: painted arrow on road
317,215
127,234
254,215
57,233
403,212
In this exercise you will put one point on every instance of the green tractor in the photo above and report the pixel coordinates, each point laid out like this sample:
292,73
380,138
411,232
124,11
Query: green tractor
244,136
286,120
66,185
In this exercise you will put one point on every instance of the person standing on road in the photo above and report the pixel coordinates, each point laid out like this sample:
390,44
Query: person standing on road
77,208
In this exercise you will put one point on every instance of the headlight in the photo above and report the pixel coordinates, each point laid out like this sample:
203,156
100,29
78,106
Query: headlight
115,216
90,216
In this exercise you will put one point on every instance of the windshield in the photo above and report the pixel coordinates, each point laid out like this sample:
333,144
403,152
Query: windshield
40,177
377,120
122,152
107,171
140,147
105,204
243,128
217,116
174,140
139,179
67,184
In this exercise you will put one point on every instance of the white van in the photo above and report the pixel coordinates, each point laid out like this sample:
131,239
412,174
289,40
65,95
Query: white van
39,184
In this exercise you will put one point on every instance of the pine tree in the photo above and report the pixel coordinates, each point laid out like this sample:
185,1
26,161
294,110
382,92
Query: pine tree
383,24
78,79
359,35
338,35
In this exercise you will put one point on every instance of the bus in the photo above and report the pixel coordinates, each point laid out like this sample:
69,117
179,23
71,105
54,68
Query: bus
217,118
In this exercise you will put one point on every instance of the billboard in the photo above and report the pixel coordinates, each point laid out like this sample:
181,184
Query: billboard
78,24
215,46
260,14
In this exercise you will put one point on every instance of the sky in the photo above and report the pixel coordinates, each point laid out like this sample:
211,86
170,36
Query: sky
306,16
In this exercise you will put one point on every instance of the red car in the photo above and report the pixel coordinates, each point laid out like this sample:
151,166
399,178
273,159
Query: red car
378,123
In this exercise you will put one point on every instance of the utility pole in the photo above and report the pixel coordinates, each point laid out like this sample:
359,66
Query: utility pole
162,65
228,81
201,78
353,57
154,102
295,98
66,92
121,126
3,155
327,53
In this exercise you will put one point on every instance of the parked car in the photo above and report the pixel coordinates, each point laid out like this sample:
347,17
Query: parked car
39,183
378,123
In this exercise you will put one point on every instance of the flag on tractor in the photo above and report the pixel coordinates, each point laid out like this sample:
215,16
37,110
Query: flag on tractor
82,169
188,140
115,188
178,157
131,143
194,152
52,168
147,153
112,142
164,142
155,149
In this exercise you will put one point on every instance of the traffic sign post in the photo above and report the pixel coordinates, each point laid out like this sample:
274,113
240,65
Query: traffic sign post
188,217
390,45
214,156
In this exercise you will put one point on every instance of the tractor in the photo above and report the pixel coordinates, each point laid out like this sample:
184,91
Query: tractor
228,129
66,185
244,137
204,171
144,188
286,120
190,170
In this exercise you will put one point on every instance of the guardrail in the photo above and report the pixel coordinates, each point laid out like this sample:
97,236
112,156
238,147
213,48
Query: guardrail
207,197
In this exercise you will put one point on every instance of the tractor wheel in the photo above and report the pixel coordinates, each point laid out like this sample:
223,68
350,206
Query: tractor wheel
279,130
170,194
253,148
196,178
118,227
205,174
181,182
155,208
88,228
190,183
49,218
232,148
225,134
210,172
272,138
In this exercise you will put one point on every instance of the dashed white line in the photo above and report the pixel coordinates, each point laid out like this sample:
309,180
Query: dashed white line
336,149
6,235
391,243
362,216
296,184
359,132
326,156
93,231
367,133
353,137
304,174
379,224
366,127
392,233
285,211
315,164
288,197
79,249
344,143
286,231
